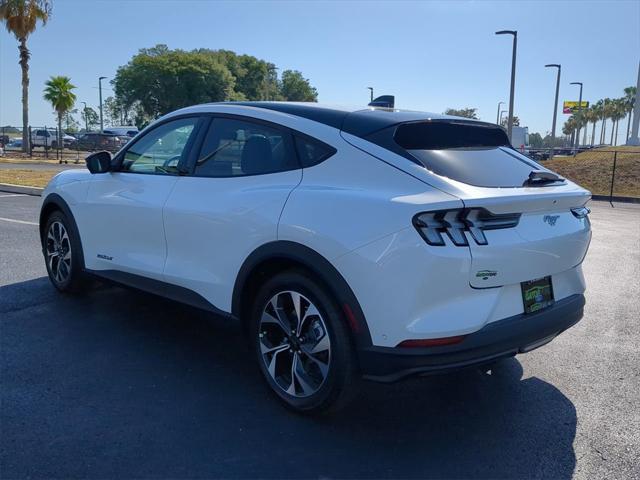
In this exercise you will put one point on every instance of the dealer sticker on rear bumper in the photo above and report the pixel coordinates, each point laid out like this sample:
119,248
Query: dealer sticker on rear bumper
537,294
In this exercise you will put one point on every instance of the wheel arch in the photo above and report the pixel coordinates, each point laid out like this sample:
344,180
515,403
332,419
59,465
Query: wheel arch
281,255
54,202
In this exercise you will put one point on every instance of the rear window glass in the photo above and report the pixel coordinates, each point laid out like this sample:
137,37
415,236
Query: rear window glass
477,155
441,135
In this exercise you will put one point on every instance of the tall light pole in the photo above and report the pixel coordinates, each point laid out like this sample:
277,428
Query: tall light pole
633,139
513,76
579,118
500,117
86,123
555,106
100,94
371,88
498,113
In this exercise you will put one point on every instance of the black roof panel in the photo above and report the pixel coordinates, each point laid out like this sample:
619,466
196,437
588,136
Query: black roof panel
359,121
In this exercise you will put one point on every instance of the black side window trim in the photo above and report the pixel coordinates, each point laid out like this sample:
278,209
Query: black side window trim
184,161
197,147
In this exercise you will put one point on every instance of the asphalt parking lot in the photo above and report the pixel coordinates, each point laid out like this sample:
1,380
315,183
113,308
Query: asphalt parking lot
124,384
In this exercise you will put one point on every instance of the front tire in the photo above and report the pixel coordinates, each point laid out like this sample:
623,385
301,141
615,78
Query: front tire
302,344
63,254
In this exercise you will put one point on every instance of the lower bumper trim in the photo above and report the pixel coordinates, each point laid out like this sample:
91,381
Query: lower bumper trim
504,338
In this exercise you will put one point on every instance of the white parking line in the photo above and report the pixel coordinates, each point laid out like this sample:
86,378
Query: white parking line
18,221
13,195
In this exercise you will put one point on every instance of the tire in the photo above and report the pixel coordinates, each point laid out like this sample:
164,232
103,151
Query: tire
63,254
326,372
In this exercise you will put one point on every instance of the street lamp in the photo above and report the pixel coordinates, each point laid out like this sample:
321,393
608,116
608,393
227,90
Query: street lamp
86,123
579,119
633,139
513,76
371,88
500,116
498,113
100,93
555,107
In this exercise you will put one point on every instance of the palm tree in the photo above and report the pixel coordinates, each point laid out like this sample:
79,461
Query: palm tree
569,128
58,91
618,113
595,112
629,100
20,18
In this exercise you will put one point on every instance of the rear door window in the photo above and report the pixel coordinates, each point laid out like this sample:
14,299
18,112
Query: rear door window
475,154
234,147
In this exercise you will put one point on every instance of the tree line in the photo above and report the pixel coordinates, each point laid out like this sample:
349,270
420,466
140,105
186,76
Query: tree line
603,110
159,80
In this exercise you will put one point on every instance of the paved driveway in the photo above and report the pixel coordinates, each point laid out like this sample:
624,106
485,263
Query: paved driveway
124,384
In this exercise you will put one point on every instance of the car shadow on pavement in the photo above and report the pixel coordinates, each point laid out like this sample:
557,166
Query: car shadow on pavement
124,384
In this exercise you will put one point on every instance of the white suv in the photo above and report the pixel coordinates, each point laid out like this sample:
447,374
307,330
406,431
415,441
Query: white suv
48,138
350,243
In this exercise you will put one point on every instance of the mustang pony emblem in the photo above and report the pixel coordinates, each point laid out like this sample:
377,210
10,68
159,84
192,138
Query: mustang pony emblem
550,219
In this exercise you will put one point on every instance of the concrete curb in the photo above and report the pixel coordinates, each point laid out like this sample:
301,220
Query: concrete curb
10,188
607,198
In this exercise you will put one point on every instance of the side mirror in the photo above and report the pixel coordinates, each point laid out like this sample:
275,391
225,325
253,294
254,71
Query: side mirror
99,162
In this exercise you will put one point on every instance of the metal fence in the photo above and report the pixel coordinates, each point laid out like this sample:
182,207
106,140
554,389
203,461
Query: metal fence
44,144
611,172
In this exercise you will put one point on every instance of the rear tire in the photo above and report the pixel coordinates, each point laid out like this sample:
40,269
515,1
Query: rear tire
63,254
302,344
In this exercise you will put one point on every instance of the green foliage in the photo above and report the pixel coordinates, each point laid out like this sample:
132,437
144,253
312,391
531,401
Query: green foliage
21,17
91,118
161,80
295,88
158,80
535,140
505,121
462,112
59,92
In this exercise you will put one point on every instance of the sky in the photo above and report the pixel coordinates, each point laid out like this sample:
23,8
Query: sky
430,55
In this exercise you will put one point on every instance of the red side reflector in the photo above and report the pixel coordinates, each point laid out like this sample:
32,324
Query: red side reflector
353,323
431,342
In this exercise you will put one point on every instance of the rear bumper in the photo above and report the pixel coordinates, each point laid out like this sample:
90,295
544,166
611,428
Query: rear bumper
503,338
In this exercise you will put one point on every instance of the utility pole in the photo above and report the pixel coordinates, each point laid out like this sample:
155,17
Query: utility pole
498,113
633,139
371,88
579,117
555,107
100,93
513,76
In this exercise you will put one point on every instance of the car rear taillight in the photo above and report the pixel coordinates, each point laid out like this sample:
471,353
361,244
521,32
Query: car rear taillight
456,224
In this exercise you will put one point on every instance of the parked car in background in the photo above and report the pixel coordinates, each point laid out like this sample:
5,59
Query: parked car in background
122,131
101,141
48,138
14,144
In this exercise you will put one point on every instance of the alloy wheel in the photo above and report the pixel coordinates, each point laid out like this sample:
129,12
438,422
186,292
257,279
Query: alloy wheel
58,252
294,344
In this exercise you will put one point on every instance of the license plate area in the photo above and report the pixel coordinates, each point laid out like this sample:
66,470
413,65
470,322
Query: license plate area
537,294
